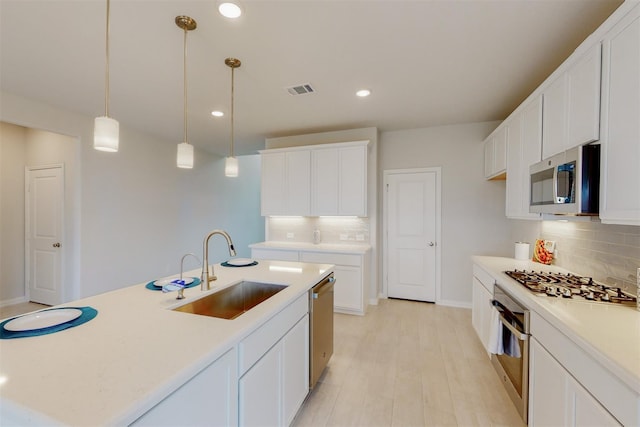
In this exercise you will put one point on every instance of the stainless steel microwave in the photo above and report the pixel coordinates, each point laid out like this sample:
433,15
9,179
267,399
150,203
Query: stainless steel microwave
567,183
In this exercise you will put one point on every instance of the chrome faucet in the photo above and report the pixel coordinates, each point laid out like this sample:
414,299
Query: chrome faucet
206,277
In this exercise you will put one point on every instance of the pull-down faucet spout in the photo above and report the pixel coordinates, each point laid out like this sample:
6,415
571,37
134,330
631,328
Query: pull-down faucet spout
206,277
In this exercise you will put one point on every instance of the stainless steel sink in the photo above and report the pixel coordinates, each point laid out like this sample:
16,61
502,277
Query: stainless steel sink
231,302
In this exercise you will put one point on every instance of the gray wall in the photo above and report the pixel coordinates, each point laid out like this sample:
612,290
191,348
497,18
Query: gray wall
473,218
608,253
133,214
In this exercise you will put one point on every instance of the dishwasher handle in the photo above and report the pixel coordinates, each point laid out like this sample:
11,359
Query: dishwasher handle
323,287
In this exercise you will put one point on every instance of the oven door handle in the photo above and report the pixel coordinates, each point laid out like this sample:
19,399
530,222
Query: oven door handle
518,334
504,310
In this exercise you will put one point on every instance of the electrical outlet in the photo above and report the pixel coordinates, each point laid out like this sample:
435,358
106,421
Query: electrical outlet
344,236
290,235
360,237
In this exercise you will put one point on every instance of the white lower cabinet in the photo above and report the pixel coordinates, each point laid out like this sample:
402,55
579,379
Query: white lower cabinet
209,398
352,279
351,291
481,308
273,389
556,398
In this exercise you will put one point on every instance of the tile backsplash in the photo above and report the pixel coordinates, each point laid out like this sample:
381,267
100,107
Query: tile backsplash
608,253
333,230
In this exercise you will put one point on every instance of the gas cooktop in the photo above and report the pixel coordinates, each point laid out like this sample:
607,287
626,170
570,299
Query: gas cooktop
570,286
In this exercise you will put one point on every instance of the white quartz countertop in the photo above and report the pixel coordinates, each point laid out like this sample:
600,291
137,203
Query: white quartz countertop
136,352
310,247
609,333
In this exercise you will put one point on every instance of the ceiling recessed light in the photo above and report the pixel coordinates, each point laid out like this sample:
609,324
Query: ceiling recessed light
217,113
229,10
363,92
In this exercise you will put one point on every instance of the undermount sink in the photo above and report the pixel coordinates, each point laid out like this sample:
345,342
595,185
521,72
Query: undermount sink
231,302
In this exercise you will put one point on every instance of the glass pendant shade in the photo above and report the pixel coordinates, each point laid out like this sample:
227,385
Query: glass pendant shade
185,155
231,167
106,133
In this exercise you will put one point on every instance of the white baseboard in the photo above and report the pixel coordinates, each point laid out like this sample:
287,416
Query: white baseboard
13,301
373,301
453,303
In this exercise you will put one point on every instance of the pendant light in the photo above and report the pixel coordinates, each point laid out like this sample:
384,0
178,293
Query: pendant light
231,162
185,150
105,129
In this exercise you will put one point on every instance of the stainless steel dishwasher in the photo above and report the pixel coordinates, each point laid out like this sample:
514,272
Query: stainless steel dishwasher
320,327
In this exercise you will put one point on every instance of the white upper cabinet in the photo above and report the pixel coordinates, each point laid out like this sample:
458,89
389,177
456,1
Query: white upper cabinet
285,183
583,80
329,179
524,148
495,154
572,106
339,180
620,133
554,134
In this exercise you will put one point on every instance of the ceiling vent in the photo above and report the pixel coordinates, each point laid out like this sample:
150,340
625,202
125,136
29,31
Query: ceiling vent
301,89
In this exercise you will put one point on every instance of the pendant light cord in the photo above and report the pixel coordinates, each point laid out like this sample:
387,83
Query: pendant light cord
232,96
106,77
185,85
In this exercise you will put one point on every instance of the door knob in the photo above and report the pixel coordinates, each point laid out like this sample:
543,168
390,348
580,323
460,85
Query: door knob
56,245
431,244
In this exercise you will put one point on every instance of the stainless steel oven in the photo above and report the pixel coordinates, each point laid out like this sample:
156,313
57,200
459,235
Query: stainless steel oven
513,364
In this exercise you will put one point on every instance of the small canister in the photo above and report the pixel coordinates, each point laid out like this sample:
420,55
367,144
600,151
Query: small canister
522,250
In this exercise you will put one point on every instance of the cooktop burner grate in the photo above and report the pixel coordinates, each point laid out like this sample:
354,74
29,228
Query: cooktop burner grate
567,285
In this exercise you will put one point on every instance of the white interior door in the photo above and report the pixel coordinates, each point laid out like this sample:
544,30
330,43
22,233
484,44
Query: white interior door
44,225
412,226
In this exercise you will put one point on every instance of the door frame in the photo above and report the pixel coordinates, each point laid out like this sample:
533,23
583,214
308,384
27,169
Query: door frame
27,212
385,230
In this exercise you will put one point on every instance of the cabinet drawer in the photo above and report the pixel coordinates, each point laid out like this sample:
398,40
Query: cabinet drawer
262,339
275,254
331,258
622,402
483,277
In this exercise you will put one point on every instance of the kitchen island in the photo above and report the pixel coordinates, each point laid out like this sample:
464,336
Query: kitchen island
596,344
138,352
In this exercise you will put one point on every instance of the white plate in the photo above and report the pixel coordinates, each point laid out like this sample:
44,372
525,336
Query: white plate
240,262
161,282
43,319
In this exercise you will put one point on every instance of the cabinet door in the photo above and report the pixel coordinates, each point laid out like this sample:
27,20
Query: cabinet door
207,399
489,159
260,391
531,151
481,312
500,150
324,181
548,396
587,411
583,80
295,360
620,151
348,288
352,191
298,164
554,117
273,184
514,203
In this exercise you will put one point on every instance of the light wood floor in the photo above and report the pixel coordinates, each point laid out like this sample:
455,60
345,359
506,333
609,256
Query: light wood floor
408,364
22,308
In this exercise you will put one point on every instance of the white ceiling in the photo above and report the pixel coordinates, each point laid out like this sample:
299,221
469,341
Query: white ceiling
426,62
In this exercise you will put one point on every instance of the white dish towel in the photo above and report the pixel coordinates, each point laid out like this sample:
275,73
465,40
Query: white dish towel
499,334
495,339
